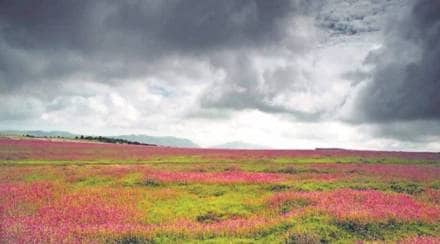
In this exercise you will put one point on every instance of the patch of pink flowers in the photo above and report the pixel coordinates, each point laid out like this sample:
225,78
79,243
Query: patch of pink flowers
13,195
68,218
46,149
410,172
361,205
431,195
215,177
322,176
420,240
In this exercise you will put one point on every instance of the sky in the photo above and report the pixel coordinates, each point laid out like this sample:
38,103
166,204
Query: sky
285,73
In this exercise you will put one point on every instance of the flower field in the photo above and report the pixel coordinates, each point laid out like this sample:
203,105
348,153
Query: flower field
83,192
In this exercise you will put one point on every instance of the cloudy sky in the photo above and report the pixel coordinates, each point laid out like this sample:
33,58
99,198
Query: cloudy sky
282,73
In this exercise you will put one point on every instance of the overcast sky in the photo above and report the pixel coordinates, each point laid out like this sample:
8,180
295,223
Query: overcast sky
281,73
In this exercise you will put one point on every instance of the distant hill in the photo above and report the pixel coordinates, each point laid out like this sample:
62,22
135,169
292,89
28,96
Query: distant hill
240,145
38,133
159,140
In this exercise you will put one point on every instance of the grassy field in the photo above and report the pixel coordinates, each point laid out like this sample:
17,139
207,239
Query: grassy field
82,192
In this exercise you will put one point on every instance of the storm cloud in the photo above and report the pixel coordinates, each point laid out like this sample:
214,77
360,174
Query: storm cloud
405,81
49,40
355,73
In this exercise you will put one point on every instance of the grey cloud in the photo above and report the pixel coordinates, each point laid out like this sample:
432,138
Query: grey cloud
354,17
406,78
249,85
419,131
199,25
47,42
246,86
356,76
13,108
146,63
49,25
117,38
276,90
44,43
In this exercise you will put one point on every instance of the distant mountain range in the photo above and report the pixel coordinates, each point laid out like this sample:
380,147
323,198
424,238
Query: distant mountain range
157,140
38,133
240,145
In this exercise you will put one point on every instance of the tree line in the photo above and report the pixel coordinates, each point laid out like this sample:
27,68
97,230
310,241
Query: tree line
111,140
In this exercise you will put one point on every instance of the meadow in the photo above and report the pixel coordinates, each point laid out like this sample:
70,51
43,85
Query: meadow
60,191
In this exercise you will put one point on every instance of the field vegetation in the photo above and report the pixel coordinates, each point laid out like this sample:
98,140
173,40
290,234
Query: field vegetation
61,191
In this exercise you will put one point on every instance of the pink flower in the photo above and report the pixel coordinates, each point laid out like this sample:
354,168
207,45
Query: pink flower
215,177
362,205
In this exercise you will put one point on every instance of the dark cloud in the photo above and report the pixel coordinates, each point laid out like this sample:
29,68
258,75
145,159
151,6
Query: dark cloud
51,40
419,131
47,25
199,25
406,76
47,42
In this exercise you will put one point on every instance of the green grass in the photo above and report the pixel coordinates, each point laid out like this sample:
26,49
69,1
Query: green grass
381,160
207,203
37,176
390,230
95,181
196,201
190,161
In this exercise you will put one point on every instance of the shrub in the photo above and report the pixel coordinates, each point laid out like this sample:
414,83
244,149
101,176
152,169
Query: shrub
288,205
279,187
151,183
289,170
209,217
303,238
404,187
131,240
